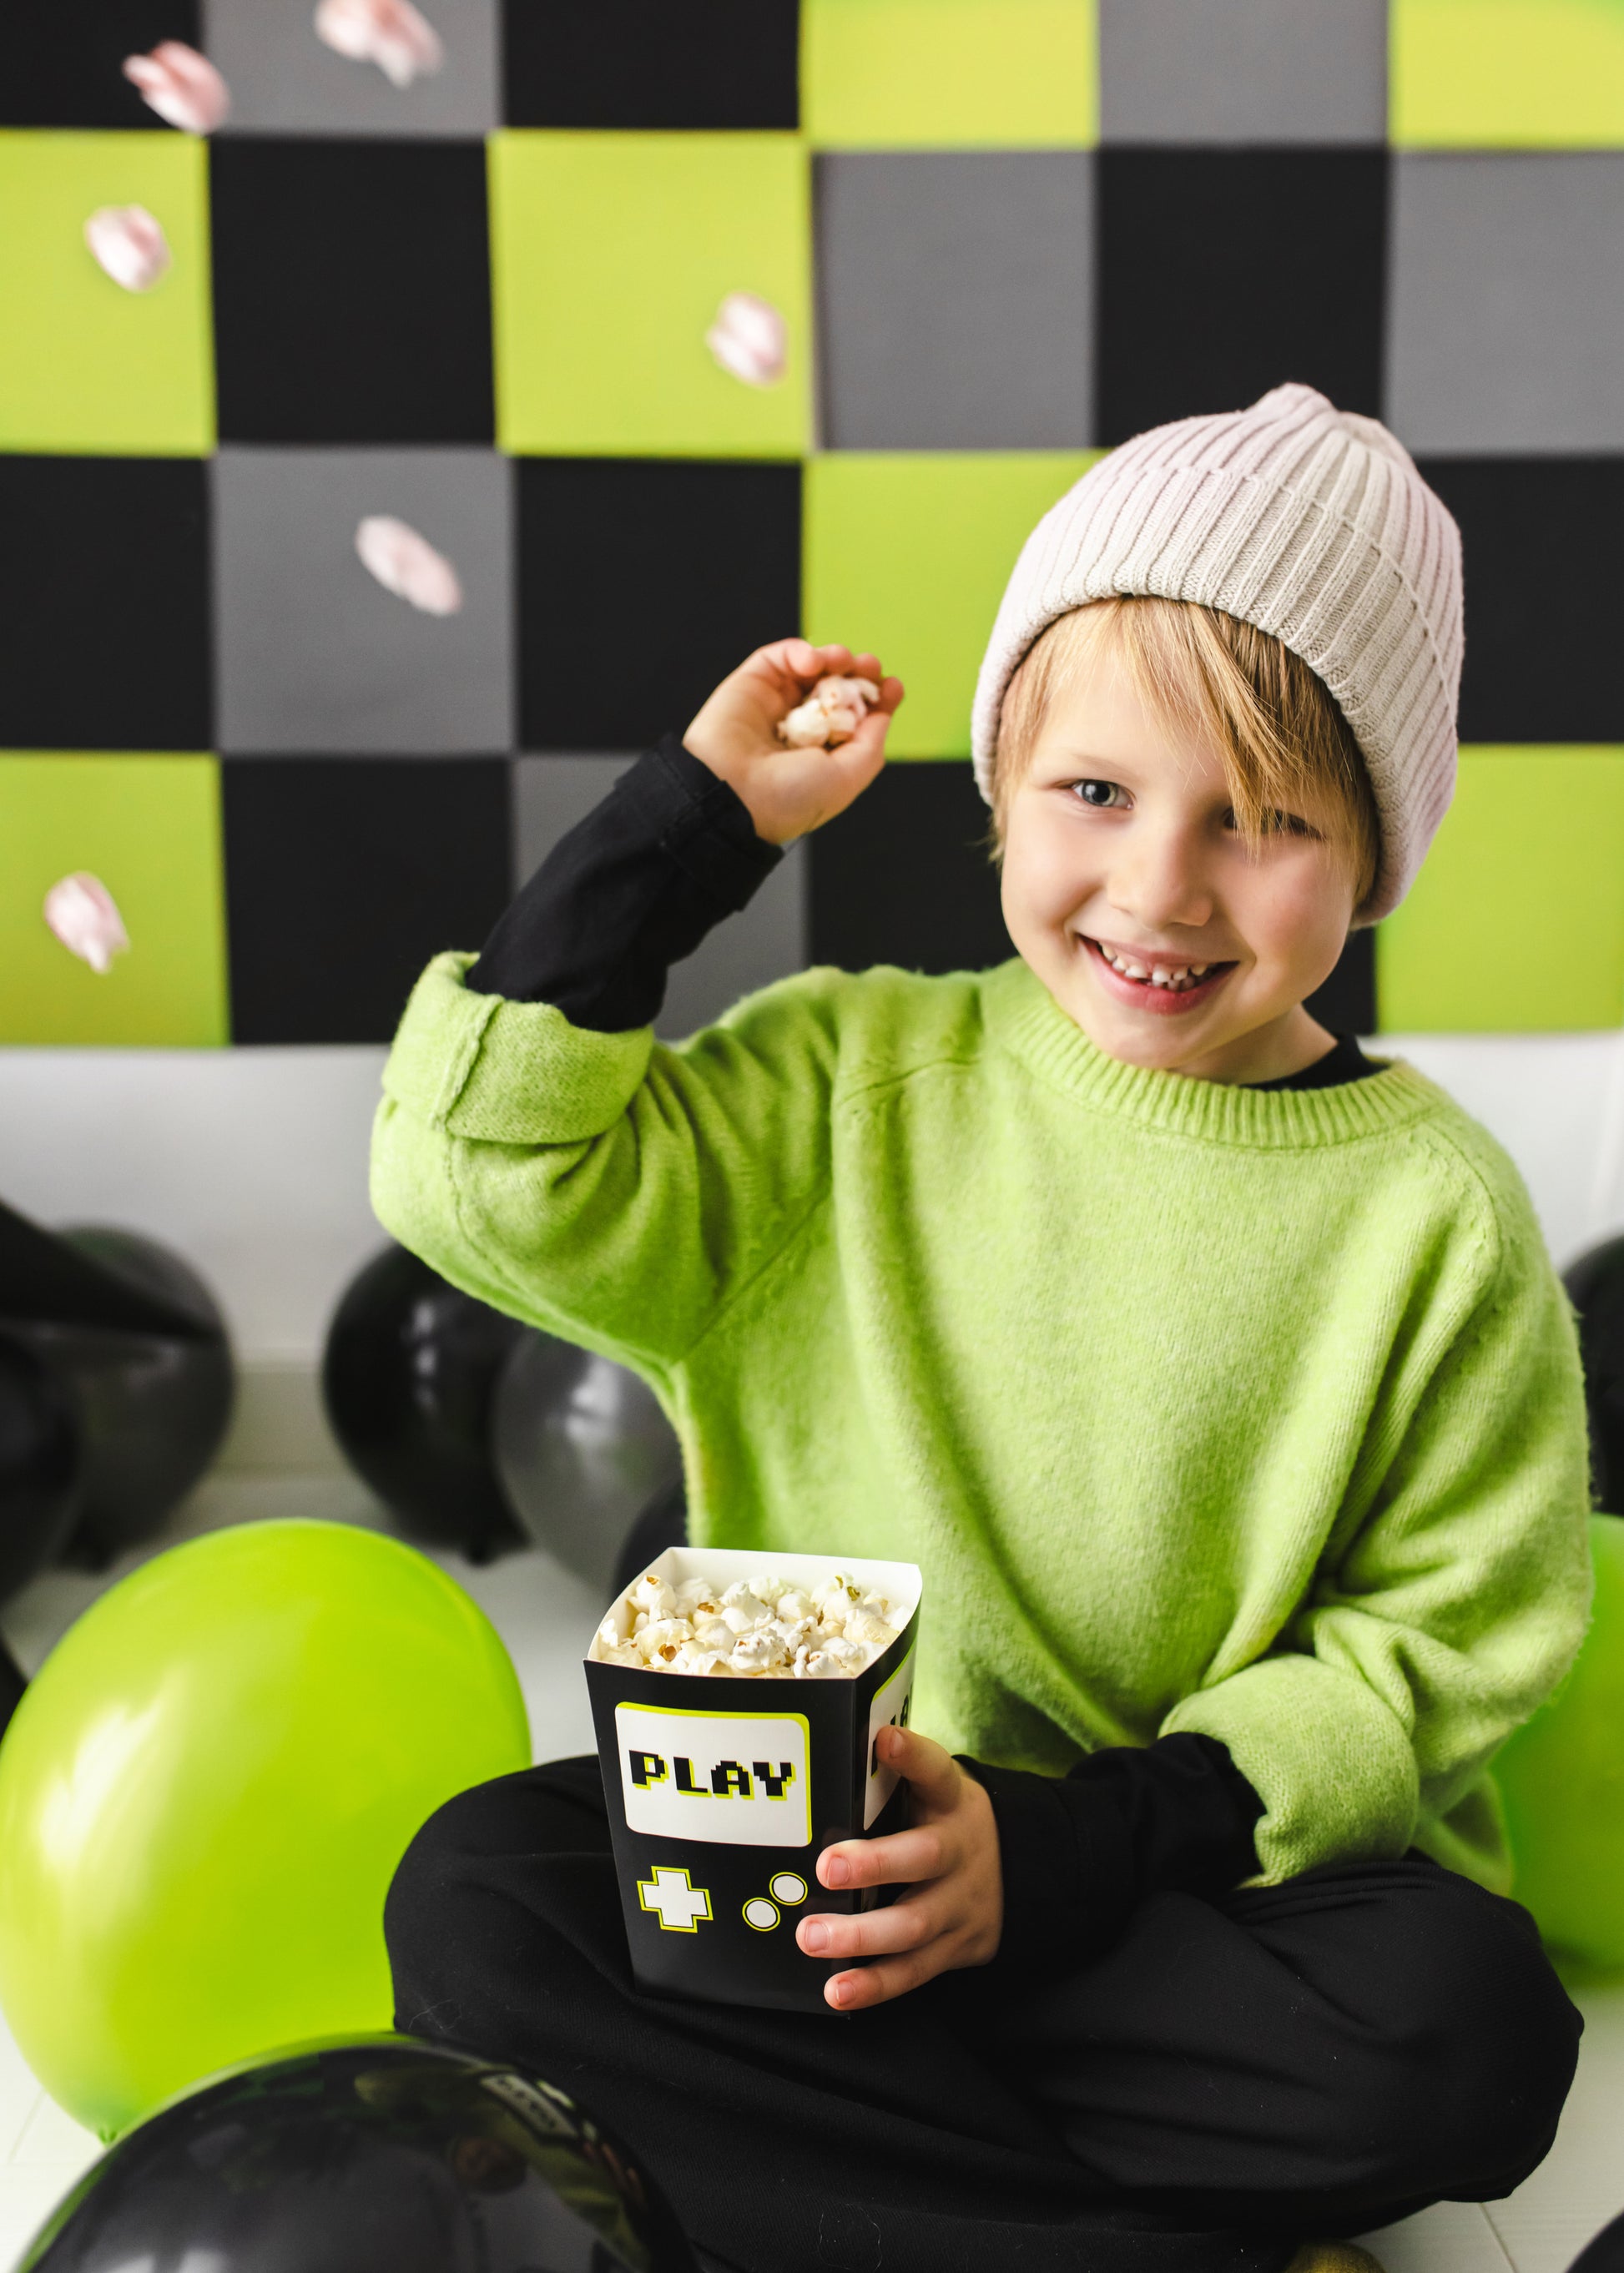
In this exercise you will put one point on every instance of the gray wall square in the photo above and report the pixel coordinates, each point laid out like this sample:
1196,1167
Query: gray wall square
1244,71
955,299
767,940
313,654
1506,324
284,81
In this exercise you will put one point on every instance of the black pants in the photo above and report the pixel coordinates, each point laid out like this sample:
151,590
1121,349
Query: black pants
1227,2080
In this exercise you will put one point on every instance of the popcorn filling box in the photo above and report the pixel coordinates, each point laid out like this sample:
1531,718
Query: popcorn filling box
722,1790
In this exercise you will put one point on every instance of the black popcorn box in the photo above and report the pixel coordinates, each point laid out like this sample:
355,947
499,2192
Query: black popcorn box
724,1789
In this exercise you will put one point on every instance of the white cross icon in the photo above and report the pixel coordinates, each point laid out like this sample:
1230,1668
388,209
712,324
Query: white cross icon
678,1905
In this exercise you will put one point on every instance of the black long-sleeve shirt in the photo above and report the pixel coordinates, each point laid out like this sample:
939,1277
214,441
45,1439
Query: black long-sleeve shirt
632,889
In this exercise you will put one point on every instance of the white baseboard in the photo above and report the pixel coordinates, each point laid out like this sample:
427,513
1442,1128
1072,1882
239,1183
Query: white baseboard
279,1425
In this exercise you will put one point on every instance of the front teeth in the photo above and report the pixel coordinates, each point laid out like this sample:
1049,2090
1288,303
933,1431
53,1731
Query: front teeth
1176,977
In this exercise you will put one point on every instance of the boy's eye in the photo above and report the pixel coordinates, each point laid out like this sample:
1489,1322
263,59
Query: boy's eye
1097,793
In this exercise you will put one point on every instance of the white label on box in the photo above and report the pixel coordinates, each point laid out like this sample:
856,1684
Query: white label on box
889,1709
735,1779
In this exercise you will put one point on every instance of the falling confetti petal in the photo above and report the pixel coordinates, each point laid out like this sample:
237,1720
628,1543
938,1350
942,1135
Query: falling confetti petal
81,911
388,33
406,563
748,339
129,244
181,85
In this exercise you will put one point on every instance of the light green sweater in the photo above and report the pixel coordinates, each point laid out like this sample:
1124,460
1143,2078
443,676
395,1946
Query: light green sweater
1252,1412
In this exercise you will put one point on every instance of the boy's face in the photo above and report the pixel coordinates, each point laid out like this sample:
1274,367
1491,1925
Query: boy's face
1120,844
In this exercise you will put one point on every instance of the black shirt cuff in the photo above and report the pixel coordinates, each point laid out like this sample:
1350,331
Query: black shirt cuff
630,890
1080,1852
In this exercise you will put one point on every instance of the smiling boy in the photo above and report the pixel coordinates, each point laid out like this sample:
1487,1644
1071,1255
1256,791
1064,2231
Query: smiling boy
1214,1375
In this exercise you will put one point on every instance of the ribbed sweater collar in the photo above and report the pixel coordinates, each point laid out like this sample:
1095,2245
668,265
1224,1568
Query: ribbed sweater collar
1024,1019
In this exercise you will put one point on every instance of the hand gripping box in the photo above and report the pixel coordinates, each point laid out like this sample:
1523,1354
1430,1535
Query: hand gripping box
724,1789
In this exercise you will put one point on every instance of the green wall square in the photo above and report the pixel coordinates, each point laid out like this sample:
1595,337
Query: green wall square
149,828
87,367
1515,924
908,552
949,74
610,254
1507,74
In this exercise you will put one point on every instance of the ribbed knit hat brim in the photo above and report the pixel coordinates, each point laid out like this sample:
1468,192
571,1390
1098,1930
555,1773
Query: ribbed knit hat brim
1311,523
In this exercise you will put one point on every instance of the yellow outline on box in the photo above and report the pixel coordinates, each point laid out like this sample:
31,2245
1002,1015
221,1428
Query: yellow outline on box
775,1920
675,1870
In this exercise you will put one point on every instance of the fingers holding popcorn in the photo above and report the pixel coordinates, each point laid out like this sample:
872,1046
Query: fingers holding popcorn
948,1855
797,731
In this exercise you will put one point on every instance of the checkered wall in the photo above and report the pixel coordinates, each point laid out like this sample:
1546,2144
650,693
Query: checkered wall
1004,234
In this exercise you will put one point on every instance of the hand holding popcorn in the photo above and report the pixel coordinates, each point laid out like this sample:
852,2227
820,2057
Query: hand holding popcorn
948,1860
745,734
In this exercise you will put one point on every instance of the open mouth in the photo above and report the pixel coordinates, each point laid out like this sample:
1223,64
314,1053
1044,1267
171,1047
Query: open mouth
1154,984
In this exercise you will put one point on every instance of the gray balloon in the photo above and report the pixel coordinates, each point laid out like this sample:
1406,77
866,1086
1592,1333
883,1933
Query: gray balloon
581,1446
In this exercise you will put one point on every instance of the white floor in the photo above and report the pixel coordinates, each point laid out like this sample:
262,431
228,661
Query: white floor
546,1616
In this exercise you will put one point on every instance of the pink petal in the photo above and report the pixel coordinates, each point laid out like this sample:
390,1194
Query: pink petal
749,339
81,911
388,33
406,563
129,244
181,85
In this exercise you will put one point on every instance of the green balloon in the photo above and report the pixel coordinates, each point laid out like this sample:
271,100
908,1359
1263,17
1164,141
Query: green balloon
206,1791
1561,1777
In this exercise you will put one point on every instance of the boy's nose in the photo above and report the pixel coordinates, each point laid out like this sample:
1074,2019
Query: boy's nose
1161,880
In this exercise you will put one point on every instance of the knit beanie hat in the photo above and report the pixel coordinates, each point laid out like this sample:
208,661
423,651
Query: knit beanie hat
1311,523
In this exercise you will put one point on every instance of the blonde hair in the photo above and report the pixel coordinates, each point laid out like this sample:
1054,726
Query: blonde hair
1279,730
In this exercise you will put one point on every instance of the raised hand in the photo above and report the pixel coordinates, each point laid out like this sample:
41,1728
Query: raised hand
790,791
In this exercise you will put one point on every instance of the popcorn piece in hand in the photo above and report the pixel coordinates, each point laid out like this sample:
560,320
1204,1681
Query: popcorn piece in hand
388,33
181,85
129,245
749,339
83,914
831,714
406,564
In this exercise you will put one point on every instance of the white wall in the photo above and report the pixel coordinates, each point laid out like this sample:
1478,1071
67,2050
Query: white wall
252,1162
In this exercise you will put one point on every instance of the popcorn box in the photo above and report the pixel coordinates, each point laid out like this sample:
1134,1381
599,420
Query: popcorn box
724,1789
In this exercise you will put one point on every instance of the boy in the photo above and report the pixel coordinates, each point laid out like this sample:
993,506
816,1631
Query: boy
1216,1376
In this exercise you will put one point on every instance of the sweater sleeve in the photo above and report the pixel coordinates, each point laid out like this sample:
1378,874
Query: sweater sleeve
606,1187
1450,1603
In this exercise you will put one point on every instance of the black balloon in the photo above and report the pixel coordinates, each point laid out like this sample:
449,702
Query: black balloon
152,1407
1604,2254
409,1378
1595,1286
40,1463
385,2155
581,1446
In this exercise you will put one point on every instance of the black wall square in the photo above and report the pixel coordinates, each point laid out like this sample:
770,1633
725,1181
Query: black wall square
63,59
1346,1004
651,62
344,875
641,583
1544,595
352,290
104,600
1222,273
902,876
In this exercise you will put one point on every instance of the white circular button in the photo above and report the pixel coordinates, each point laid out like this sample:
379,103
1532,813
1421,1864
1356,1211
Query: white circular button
760,1913
786,1887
